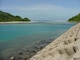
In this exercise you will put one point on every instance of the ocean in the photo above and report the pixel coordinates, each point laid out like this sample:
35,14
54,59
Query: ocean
20,35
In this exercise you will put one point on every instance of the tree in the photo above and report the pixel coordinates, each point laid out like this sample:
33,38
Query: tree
75,18
26,19
5,17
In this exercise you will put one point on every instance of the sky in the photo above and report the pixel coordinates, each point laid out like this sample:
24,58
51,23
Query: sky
42,10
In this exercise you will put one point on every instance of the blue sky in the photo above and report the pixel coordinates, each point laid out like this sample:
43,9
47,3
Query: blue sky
41,10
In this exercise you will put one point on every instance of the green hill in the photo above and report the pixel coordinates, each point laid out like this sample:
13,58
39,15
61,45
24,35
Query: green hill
75,18
6,17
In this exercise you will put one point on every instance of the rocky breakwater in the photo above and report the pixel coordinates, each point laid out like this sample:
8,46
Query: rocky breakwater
65,47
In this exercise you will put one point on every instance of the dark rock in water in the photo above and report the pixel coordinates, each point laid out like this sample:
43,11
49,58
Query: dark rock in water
33,51
20,53
41,47
25,59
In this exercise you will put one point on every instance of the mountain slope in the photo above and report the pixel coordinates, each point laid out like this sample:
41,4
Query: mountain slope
5,17
75,18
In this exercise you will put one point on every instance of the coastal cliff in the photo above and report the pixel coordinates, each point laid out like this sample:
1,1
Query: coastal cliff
65,47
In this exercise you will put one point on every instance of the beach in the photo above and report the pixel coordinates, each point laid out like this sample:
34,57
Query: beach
65,47
15,22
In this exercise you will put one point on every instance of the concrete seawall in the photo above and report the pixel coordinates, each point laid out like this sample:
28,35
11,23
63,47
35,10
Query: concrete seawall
65,47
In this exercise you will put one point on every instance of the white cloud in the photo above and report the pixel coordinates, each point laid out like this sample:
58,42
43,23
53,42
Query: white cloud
45,11
36,7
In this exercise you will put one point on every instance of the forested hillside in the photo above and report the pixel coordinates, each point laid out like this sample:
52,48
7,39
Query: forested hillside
6,17
75,18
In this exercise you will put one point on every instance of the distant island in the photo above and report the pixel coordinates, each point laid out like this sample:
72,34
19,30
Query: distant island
7,17
75,18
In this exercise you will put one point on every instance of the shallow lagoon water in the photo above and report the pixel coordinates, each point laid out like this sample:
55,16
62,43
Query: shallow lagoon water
20,35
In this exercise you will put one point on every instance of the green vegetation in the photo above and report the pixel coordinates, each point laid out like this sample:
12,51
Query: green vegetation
6,17
26,19
75,18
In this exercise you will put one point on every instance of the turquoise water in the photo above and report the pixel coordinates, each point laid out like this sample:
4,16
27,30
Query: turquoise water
20,31
13,31
19,35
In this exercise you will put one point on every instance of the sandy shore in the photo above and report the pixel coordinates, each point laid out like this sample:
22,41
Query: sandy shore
65,47
15,22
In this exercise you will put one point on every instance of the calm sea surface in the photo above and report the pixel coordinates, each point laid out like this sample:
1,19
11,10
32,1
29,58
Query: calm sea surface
19,35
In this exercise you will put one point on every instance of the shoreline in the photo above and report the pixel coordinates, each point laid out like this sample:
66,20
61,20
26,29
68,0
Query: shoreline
16,22
65,47
24,22
32,50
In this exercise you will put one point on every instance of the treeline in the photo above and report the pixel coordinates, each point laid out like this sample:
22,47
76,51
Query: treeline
75,18
6,17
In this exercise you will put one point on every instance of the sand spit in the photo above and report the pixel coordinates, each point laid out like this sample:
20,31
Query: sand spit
15,22
65,47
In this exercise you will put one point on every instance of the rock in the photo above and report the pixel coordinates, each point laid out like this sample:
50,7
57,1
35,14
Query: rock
12,58
20,53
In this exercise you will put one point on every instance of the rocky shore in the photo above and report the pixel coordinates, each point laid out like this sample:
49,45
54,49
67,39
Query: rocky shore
26,52
65,47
